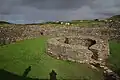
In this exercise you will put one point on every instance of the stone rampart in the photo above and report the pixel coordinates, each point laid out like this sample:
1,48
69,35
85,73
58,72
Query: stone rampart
76,50
13,33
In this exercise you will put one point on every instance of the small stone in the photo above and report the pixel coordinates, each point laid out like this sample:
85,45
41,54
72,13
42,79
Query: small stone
109,71
102,41
100,59
110,20
58,58
80,61
105,68
73,60
61,22
102,66
48,49
104,71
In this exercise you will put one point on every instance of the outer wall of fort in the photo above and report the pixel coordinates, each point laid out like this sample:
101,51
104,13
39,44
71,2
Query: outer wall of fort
78,49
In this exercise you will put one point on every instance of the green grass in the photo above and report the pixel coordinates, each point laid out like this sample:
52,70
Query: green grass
114,58
85,23
17,57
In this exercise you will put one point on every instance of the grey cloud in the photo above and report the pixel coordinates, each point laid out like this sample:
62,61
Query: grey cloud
106,7
85,12
27,11
6,6
117,3
56,4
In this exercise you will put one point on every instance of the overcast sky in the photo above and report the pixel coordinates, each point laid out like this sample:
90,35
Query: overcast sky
27,11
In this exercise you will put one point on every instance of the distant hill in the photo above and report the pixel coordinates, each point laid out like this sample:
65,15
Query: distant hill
116,17
4,22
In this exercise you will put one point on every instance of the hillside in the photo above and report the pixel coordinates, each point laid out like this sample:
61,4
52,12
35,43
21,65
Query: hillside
5,22
115,17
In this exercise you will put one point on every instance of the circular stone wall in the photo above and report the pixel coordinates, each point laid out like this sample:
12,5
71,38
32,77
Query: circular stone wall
80,49
83,41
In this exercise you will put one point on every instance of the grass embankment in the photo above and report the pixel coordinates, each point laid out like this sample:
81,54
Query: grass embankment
114,58
17,57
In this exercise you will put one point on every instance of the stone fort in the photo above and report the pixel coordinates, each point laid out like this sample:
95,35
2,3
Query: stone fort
78,44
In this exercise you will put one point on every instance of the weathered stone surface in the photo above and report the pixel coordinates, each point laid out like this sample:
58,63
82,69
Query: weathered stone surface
76,51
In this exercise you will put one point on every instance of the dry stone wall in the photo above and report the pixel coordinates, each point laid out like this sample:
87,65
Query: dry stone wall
77,50
67,51
12,33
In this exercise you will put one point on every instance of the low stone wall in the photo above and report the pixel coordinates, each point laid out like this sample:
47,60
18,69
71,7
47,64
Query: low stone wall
77,52
76,40
66,51
13,33
115,34
68,31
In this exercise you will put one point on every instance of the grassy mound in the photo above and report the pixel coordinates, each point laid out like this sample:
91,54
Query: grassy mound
17,57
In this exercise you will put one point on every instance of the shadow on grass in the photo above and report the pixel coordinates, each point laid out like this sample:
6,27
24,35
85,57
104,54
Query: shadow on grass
5,75
53,75
26,71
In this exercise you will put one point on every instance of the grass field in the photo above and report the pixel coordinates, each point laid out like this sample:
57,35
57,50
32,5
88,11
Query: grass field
17,57
114,58
84,23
